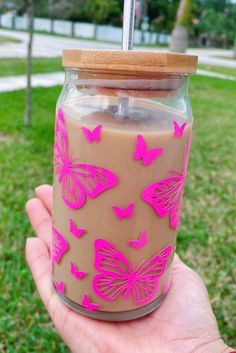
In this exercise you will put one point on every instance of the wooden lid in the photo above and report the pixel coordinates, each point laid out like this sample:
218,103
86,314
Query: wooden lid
128,61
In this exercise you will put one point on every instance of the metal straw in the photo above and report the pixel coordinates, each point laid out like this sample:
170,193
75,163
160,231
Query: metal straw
127,44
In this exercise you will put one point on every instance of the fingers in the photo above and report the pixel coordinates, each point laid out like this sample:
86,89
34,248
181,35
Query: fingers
40,219
45,194
38,260
73,328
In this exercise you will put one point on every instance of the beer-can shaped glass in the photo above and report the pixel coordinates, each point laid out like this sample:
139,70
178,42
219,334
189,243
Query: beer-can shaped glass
123,132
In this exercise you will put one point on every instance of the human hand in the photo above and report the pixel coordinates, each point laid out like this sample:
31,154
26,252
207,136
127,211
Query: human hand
184,323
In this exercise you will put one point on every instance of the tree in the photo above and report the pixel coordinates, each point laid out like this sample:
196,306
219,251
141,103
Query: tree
28,110
234,53
100,10
179,37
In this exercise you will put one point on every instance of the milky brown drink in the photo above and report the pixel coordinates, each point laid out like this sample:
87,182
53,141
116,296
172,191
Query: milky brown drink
123,219
122,139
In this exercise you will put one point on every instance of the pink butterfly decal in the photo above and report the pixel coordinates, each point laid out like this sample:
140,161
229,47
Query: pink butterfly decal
88,305
179,130
78,180
60,286
141,151
166,195
75,272
166,287
138,244
59,245
125,212
94,135
77,232
117,278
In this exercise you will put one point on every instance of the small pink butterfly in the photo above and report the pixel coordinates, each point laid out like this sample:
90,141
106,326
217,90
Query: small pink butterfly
118,278
125,212
60,286
166,287
77,232
88,305
59,245
178,130
138,244
166,195
141,151
94,135
75,272
78,181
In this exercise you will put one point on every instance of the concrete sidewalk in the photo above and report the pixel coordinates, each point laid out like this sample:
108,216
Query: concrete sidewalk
51,46
12,83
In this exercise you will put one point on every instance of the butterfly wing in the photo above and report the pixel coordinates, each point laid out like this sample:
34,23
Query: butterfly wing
179,130
151,155
162,194
112,281
88,134
129,210
140,149
147,276
88,305
77,232
118,211
97,133
138,244
75,272
59,245
60,144
85,179
60,286
176,209
93,179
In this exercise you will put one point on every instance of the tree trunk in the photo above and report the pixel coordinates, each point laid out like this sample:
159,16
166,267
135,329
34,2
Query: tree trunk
234,53
179,39
28,109
179,36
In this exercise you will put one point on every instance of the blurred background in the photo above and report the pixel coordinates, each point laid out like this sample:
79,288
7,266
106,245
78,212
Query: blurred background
32,36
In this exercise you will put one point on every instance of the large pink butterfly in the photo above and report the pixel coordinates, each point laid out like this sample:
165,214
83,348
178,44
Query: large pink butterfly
166,195
78,180
142,152
117,277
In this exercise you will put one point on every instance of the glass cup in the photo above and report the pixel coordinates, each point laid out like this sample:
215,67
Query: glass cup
122,140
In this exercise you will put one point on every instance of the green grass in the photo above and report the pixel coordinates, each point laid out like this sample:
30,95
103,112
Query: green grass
226,57
206,238
220,69
6,39
12,66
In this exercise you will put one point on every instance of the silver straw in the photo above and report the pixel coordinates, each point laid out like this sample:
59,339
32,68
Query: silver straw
127,44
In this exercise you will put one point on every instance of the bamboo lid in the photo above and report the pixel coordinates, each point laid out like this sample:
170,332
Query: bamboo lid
127,61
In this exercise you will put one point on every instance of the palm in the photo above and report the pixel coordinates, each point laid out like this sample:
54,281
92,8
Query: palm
184,323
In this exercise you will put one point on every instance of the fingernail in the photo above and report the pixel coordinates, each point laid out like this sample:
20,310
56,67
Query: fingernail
28,239
37,188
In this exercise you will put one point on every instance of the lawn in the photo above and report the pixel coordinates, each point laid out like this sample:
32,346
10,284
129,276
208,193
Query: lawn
6,39
206,240
220,69
12,66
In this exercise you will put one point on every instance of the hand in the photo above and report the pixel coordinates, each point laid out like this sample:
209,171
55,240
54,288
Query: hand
184,323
